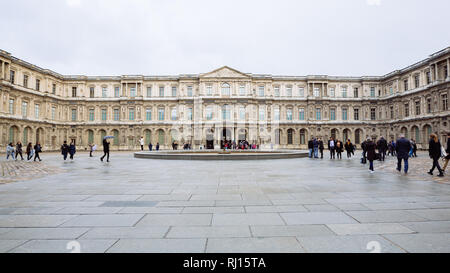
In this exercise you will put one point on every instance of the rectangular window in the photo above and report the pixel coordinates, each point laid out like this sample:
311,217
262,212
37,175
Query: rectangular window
173,114
373,114
332,92
116,91
189,114
301,114
406,109
132,92
12,75
91,114
316,92
416,81
428,105
356,114
174,91
301,91
417,108
344,92
289,114
276,91
149,91
428,77
209,90
344,114
444,102
11,107
372,92
318,114
54,89
161,91
74,91
189,91
25,81
116,115
392,112
276,114
131,114
391,90
74,114
104,92
53,112
356,92
332,114
38,84
161,114
36,111
242,90
209,113
104,114
148,114
242,113
24,109
289,91
262,113
405,85
92,92
261,91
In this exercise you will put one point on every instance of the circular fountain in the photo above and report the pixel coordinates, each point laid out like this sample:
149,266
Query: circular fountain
221,154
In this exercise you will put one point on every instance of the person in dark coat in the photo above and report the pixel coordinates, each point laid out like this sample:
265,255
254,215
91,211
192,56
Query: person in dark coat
332,147
321,147
157,146
363,147
402,149
105,150
447,158
72,149
382,147
37,150
414,148
349,148
316,148
434,150
150,146
19,150
29,151
311,147
370,151
339,149
64,149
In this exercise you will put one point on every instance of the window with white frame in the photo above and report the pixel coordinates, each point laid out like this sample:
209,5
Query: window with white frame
104,114
189,91
276,91
332,92
36,111
209,89
209,112
262,113
174,91
301,114
261,90
332,114
344,92
104,92
74,114
24,109
161,91
116,114
316,92
242,90
318,114
289,91
173,114
161,113
148,114
344,114
242,112
116,91
133,92
131,114
11,106
53,114
372,92
226,113
149,91
276,113
289,114
225,89
91,114
189,113
301,91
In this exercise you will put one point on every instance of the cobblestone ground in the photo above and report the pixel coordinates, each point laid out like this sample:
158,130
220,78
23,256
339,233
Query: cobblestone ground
20,170
286,205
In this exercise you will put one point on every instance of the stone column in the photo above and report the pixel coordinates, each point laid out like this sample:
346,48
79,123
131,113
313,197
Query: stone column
448,68
2,74
436,71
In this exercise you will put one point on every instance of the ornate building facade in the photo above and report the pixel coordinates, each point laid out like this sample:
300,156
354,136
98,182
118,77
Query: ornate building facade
38,104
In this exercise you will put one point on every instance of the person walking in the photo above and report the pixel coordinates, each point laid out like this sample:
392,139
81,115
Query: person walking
29,151
447,158
414,148
64,149
339,149
363,147
382,147
157,146
72,149
321,147
150,146
316,148
37,150
371,154
331,147
10,151
403,147
311,147
92,148
105,150
19,150
349,148
141,141
434,150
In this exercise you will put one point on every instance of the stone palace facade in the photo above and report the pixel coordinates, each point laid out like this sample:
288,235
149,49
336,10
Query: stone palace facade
38,104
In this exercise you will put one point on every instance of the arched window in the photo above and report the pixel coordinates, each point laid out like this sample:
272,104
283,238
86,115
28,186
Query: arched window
161,137
277,136
334,133
357,136
147,135
226,89
25,135
290,134
417,134
90,136
302,136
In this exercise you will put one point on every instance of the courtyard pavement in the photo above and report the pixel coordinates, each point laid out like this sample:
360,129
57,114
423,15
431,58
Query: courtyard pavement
286,205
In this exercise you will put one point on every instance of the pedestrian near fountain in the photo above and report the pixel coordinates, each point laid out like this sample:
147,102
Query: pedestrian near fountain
105,150
434,150
37,151
447,157
403,146
72,149
19,150
371,154
64,149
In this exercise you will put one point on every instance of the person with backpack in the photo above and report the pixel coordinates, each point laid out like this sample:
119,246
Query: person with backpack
321,147
37,150
72,149
382,147
64,149
434,150
403,147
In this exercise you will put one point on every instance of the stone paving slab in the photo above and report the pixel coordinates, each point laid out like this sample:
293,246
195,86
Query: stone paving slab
43,233
6,245
385,216
231,219
159,245
60,246
421,242
209,232
126,232
433,214
366,229
33,220
213,210
347,244
283,231
87,210
294,208
312,218
429,227
108,220
254,245
394,206
148,210
175,220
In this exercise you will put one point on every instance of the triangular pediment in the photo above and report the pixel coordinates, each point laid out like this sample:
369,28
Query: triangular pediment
225,72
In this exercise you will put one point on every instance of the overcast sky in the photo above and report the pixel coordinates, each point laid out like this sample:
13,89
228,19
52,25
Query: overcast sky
279,37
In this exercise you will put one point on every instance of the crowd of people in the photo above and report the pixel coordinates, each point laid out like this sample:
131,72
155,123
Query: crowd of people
14,151
373,150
